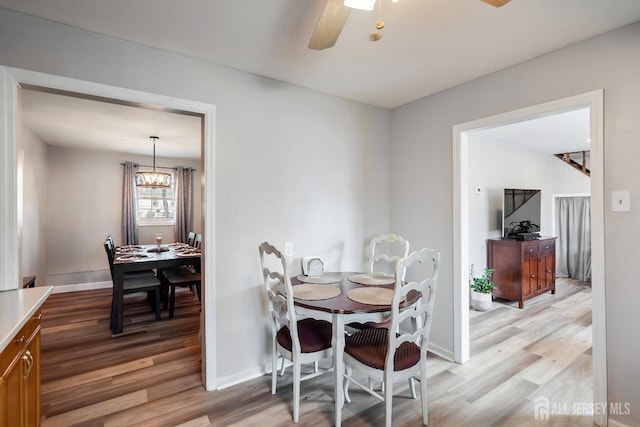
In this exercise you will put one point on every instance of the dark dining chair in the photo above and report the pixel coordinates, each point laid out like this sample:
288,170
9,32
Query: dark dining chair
172,278
191,237
143,281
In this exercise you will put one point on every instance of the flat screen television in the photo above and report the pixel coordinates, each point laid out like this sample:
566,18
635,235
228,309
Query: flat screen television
521,211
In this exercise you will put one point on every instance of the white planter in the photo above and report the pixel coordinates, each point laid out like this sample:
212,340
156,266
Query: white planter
480,301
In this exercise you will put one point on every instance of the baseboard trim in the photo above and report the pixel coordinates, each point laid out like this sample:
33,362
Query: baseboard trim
232,380
77,287
442,352
614,423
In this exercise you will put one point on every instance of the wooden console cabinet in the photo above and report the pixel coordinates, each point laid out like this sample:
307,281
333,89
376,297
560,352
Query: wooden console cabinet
523,269
20,377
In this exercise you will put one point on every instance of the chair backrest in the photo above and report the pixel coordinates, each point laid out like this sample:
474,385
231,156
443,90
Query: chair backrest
191,238
110,249
197,241
277,283
385,251
421,269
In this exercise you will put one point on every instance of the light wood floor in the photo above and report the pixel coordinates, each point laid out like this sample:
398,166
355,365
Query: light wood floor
151,376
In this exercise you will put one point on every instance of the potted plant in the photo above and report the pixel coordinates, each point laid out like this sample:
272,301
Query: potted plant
481,288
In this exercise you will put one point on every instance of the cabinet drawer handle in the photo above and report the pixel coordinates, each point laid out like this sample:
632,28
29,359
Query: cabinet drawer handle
530,249
39,317
533,276
20,340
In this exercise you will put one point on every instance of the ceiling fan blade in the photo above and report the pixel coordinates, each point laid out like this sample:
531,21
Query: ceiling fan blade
496,3
330,25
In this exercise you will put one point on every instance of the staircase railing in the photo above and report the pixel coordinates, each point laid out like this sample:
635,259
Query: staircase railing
576,159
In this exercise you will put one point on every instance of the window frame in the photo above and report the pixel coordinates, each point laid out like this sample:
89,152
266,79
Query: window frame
150,222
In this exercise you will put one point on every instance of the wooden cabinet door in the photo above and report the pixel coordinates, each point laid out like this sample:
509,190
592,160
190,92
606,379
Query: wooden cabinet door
31,381
529,274
10,394
548,269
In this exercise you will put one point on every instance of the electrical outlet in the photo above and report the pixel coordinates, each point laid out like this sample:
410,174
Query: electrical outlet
288,249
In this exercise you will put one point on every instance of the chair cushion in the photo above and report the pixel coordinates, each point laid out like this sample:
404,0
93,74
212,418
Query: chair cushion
180,275
314,335
370,325
369,346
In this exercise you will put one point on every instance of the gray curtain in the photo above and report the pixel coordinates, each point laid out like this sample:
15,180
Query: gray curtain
129,205
184,203
573,251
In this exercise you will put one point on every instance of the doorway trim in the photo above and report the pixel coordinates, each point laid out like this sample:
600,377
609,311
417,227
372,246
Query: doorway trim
9,218
460,140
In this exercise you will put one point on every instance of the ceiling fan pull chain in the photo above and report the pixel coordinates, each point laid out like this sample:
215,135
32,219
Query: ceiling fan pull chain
379,23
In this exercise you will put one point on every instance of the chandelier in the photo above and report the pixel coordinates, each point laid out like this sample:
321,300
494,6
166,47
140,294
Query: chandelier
154,179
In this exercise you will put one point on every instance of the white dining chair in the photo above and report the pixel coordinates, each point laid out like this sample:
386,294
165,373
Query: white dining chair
385,251
389,355
300,341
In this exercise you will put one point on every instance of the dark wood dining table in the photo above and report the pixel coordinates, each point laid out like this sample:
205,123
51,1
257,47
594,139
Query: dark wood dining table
154,260
340,311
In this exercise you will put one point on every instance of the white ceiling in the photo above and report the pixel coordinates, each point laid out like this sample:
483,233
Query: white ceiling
559,133
81,123
427,45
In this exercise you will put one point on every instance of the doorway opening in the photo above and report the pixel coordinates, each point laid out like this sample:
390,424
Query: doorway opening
461,136
11,79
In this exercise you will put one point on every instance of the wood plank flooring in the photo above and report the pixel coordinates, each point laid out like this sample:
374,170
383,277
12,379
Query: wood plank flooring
151,375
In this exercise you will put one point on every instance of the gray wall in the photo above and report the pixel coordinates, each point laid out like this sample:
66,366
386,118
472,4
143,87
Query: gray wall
34,202
290,164
421,137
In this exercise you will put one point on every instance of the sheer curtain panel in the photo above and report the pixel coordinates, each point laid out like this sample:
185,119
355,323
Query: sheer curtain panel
573,251
184,203
129,205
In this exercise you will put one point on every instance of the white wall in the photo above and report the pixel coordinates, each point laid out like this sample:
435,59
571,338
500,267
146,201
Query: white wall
421,137
84,205
494,167
291,164
34,231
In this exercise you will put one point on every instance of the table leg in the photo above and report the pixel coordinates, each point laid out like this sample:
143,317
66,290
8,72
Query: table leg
118,310
338,364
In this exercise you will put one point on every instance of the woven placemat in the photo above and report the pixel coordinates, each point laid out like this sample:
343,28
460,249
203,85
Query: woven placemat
372,279
314,291
325,278
372,296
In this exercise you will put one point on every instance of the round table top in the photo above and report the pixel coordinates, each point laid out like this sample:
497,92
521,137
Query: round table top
342,304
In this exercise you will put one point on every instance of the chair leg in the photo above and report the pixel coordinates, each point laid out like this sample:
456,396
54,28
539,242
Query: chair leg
282,368
172,301
388,401
199,291
274,368
349,370
315,367
423,393
412,387
296,391
156,294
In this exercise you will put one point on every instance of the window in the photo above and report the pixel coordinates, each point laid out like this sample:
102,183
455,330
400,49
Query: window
156,206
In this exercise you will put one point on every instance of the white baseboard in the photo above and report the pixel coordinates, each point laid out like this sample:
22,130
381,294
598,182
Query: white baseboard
61,289
442,352
614,423
232,380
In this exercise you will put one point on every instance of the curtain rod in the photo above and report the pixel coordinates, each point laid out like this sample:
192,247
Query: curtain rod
158,167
